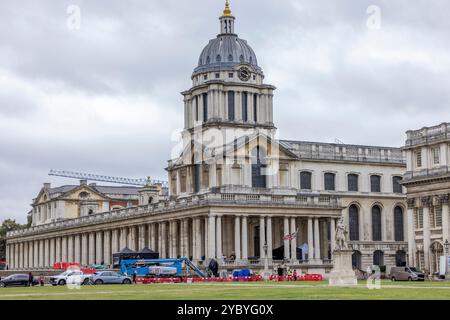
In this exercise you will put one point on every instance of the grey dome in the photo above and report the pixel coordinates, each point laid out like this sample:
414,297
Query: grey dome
225,52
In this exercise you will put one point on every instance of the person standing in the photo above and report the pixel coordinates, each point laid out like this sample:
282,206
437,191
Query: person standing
134,276
295,275
30,279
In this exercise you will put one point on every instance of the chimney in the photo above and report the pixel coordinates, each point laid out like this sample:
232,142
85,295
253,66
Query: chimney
47,185
83,182
92,184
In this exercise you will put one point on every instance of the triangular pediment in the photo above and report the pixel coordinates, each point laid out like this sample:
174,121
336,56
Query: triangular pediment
83,192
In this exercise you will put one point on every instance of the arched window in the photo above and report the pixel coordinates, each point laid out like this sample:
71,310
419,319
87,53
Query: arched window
375,183
378,258
305,180
218,58
255,107
90,212
352,180
376,223
436,253
396,186
356,260
230,58
205,107
258,159
353,218
244,106
231,115
208,60
330,181
251,60
398,224
241,58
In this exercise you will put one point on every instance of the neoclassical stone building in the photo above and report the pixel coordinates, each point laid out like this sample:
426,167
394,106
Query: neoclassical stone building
428,182
236,190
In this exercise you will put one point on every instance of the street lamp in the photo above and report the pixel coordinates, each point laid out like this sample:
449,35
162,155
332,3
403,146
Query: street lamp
266,262
447,271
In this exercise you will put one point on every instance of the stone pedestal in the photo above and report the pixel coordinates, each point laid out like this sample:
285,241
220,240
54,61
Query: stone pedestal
342,273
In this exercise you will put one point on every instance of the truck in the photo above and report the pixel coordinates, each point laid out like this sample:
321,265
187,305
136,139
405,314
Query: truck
158,268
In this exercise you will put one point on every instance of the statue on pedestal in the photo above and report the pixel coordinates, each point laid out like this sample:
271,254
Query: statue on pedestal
342,273
341,236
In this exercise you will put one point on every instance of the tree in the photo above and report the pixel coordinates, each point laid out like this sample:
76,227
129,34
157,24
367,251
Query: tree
6,226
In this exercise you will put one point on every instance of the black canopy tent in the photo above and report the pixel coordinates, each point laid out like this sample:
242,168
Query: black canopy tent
128,254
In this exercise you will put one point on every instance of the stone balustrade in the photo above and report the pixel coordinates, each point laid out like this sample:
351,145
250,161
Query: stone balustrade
246,196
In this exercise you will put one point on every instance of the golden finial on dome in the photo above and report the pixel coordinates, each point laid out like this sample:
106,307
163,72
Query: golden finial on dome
227,11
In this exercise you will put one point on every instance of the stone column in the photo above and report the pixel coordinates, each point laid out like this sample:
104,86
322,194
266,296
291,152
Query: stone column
77,248
132,237
426,203
123,238
196,239
186,252
141,237
46,253
8,256
411,232
84,249
99,247
244,238
332,235
70,249
41,254
294,240
107,256
175,239
64,249
310,240
219,252
237,238
58,249
91,249
153,241
286,241
115,241
164,240
30,255
262,237
211,236
36,254
316,240
25,255
269,238
20,256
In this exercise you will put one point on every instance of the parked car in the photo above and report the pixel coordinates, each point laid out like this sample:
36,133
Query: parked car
17,280
406,274
69,277
109,277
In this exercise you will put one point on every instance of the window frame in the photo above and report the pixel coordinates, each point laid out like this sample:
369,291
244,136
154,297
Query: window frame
310,179
372,183
325,175
357,181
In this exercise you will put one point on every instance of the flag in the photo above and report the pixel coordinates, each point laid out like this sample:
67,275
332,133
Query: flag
291,236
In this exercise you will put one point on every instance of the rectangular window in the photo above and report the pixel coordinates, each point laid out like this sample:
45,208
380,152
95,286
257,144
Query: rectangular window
244,107
375,183
419,159
230,75
305,180
330,181
231,105
436,155
396,186
353,182
420,218
255,107
217,75
205,107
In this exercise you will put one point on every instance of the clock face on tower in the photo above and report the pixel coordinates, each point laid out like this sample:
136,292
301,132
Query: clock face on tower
244,74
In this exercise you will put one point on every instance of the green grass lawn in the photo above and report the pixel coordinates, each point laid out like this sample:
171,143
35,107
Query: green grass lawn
235,291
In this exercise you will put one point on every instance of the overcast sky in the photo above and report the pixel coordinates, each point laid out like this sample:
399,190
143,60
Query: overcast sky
105,98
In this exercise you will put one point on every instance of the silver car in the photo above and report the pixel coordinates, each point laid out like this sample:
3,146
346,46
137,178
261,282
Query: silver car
109,277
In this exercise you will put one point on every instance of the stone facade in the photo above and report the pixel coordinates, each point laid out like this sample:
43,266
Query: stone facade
428,183
236,187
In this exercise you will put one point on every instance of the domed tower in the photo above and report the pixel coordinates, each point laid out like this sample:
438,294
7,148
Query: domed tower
228,103
228,87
